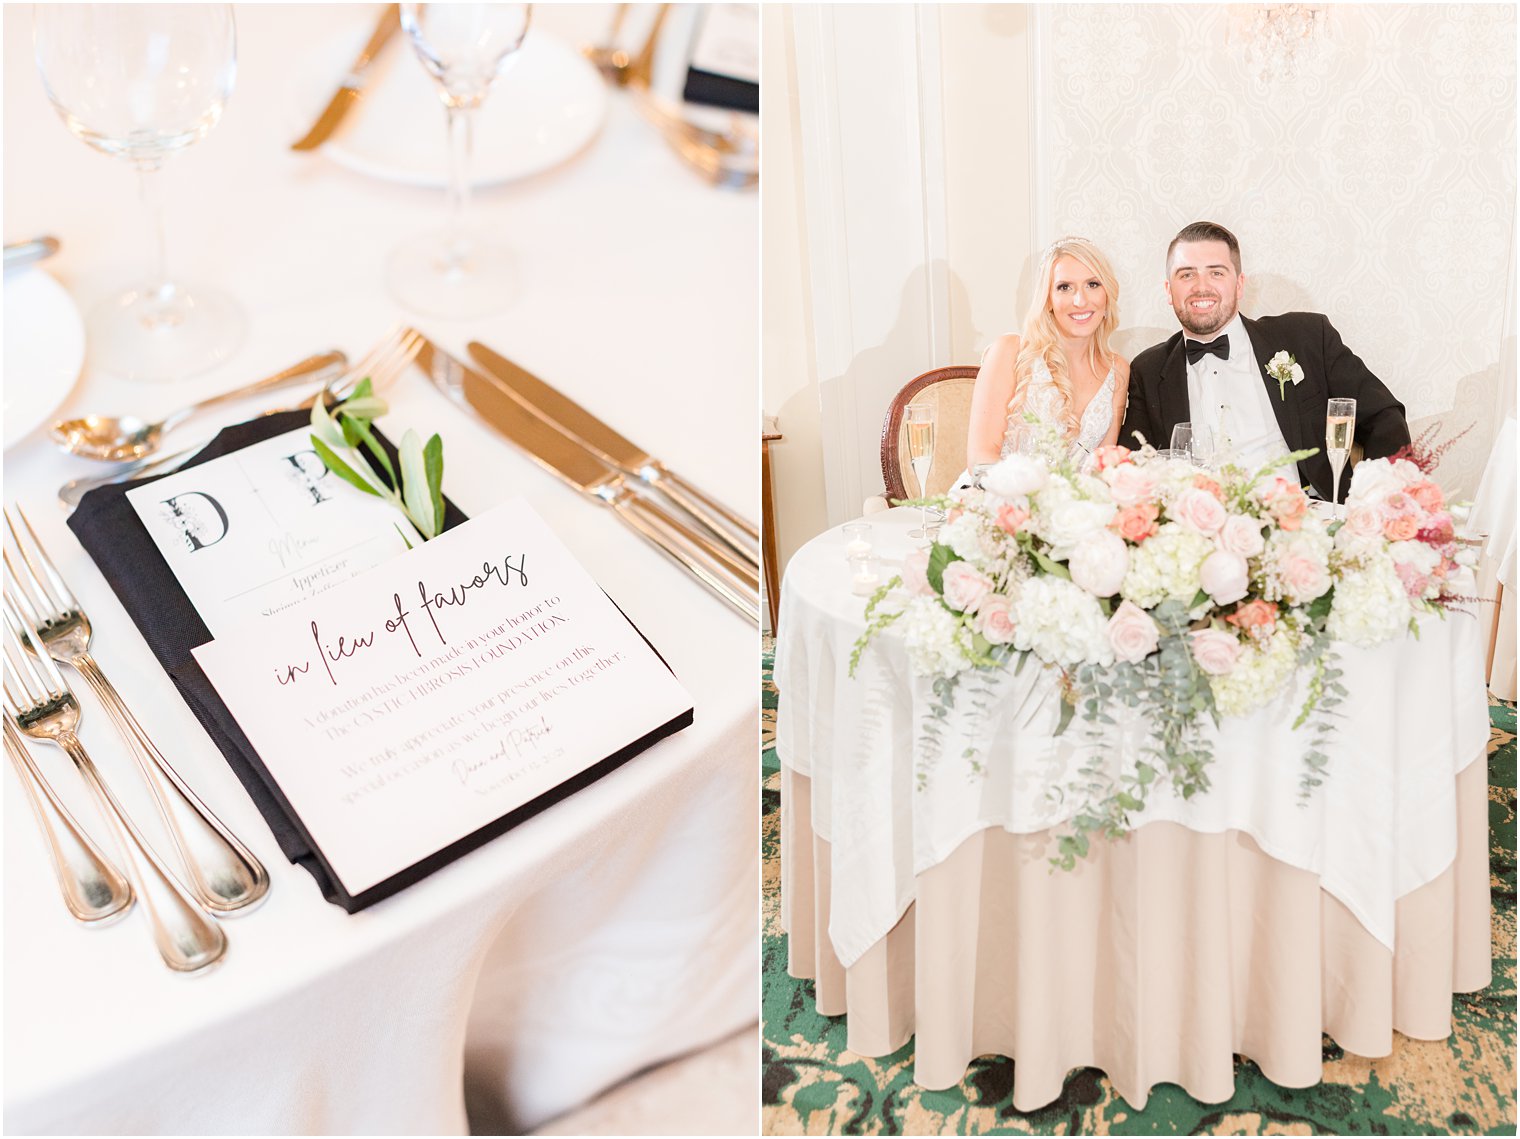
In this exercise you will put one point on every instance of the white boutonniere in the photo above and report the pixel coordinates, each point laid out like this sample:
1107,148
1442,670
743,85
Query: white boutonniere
1285,370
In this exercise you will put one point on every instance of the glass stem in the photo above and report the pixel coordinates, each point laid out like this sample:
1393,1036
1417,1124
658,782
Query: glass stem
160,308
461,146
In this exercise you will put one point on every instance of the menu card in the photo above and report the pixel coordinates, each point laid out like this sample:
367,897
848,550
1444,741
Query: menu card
427,698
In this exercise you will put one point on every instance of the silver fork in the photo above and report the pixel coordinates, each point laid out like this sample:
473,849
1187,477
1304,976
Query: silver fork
224,875
44,708
94,891
382,364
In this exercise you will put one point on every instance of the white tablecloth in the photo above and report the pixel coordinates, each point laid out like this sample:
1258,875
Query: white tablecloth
610,932
1383,824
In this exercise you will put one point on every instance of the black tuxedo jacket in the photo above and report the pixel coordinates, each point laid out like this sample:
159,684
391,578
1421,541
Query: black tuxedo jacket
1158,393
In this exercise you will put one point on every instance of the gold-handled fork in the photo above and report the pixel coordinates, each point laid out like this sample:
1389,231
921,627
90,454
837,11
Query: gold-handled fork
94,891
381,364
42,706
224,875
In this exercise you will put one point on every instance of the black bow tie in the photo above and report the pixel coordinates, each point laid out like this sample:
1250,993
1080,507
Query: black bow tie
1197,350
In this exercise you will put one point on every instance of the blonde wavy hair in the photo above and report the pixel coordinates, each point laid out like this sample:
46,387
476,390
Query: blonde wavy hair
1041,338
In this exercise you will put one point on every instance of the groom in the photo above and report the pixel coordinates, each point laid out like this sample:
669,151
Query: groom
1214,373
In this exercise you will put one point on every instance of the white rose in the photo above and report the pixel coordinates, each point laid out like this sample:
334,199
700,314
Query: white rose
1241,534
965,587
1417,556
1014,476
1224,577
1099,563
1373,480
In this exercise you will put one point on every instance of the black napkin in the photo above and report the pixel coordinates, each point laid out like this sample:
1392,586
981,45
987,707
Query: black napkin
110,531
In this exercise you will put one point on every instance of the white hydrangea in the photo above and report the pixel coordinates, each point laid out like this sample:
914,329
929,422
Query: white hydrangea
1061,622
1259,676
1370,605
938,644
1064,518
1166,565
964,536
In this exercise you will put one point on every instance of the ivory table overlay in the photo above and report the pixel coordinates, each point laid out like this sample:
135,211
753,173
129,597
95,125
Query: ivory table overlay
614,930
1382,825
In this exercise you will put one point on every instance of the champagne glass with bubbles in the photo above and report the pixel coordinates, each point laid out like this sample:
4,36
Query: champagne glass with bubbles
142,82
1340,428
460,271
920,422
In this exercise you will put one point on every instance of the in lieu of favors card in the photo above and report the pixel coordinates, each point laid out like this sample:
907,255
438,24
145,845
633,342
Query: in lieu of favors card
261,529
420,702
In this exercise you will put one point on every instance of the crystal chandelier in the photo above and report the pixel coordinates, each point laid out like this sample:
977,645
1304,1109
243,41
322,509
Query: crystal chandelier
1275,40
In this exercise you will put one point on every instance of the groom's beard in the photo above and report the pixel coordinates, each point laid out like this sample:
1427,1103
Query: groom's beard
1205,323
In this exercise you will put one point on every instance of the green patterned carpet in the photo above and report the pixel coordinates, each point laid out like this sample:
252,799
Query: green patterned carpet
1464,1085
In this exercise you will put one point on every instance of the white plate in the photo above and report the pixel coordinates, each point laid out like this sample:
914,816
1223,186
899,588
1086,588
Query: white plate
44,350
543,111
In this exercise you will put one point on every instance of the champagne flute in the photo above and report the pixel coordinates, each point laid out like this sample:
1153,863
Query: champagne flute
1340,428
459,272
920,422
141,82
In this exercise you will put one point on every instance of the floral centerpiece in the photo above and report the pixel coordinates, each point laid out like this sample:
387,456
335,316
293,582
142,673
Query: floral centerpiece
1151,584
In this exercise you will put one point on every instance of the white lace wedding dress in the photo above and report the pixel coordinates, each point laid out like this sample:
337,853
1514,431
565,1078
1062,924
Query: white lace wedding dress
1043,400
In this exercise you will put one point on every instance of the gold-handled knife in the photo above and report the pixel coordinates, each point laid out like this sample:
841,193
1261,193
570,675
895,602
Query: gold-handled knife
737,532
568,461
353,83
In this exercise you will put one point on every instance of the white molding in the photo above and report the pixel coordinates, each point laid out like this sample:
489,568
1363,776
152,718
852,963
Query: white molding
1039,140
931,117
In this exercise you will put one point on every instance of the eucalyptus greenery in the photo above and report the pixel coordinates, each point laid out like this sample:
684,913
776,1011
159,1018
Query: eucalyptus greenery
345,441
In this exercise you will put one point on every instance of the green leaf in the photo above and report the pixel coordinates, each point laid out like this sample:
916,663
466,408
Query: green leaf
1319,608
363,388
372,445
414,488
939,558
369,408
338,467
323,426
350,429
1054,568
1067,712
432,455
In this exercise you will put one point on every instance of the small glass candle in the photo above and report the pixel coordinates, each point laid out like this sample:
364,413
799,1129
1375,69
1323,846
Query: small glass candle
864,578
857,538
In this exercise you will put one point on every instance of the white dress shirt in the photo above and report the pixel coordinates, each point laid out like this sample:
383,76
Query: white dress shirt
1229,399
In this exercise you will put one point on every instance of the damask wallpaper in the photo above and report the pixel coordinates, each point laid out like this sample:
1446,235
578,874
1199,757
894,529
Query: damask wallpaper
1369,174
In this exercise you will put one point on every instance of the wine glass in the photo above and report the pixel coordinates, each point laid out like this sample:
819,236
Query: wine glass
459,272
920,422
1340,427
1182,440
141,82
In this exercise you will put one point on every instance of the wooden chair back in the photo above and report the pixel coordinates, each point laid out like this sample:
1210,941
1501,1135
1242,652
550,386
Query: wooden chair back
948,391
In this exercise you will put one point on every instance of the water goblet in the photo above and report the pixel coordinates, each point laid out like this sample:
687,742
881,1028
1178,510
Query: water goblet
1340,428
459,272
1182,439
142,82
920,424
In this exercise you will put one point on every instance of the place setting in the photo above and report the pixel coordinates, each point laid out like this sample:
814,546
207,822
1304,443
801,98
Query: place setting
246,513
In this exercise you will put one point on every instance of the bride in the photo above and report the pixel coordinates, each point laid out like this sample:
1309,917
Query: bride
1062,369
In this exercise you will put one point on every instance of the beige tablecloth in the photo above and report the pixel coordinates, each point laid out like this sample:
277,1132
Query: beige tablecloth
1158,960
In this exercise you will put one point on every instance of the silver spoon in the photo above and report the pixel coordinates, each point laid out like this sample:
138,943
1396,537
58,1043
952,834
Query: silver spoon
122,438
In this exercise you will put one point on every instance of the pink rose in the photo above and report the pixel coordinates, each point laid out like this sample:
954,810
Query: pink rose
1303,577
1399,503
1099,563
1402,528
1286,502
1108,457
1224,577
1130,484
1256,617
1428,495
1012,519
1241,535
915,573
994,620
1364,521
1136,523
965,587
1203,482
1132,633
1215,650
1198,510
